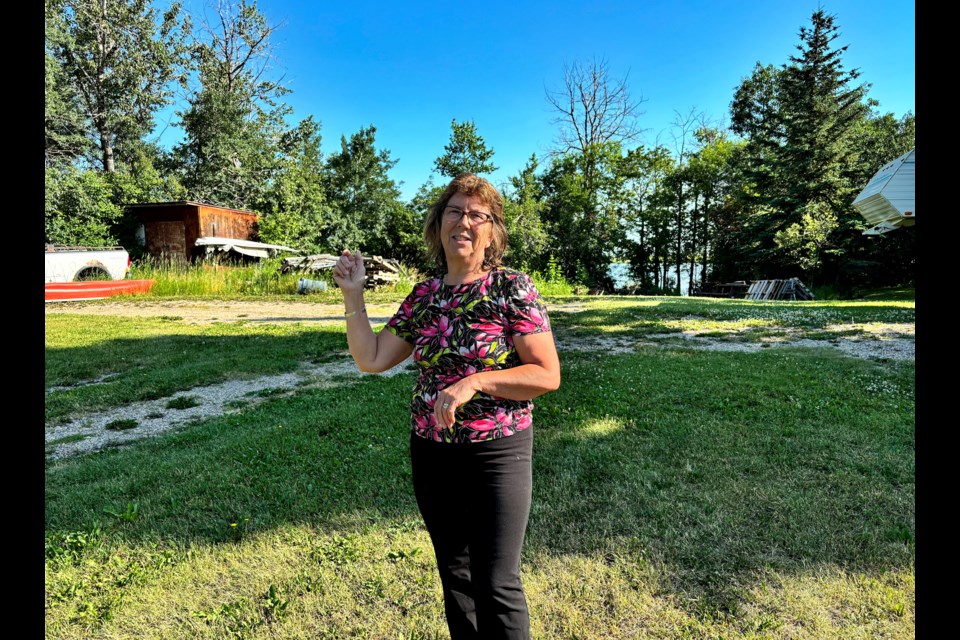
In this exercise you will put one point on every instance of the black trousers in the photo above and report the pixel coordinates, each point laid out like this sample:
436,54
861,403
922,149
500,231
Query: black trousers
475,502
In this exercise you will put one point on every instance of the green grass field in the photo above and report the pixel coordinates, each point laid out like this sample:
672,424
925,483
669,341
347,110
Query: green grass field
678,493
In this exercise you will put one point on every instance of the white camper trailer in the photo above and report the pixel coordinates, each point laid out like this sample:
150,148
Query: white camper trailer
888,200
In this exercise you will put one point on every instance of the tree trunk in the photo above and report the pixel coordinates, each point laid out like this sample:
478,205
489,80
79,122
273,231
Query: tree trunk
643,243
106,152
679,236
693,242
706,241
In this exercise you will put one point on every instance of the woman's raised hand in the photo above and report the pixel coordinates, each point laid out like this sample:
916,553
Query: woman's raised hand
349,272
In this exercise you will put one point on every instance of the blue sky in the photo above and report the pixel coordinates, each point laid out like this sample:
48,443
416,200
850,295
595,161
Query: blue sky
409,68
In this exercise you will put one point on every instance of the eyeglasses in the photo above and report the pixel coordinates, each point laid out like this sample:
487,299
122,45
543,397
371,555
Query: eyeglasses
453,214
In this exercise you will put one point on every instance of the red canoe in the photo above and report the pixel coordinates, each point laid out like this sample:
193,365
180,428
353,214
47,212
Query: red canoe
94,289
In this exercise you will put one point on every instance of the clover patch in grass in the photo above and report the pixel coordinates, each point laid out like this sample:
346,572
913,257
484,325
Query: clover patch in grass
122,425
183,402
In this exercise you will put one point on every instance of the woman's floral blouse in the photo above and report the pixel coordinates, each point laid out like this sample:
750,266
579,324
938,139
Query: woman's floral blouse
458,330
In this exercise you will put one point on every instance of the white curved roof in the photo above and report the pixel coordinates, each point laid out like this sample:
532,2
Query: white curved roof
889,199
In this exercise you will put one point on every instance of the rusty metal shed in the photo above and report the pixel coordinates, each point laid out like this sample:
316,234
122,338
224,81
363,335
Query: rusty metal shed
171,229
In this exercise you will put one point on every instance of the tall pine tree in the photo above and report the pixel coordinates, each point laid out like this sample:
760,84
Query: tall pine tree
465,153
799,122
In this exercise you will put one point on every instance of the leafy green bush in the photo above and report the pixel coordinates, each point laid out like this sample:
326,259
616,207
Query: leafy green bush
78,208
552,283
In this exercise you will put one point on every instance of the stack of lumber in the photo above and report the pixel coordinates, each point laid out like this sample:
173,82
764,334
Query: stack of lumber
791,289
379,270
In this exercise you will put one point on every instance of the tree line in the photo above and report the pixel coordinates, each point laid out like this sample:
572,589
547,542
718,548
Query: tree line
768,196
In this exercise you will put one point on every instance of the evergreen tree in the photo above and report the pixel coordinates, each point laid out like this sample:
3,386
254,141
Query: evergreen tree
465,153
799,122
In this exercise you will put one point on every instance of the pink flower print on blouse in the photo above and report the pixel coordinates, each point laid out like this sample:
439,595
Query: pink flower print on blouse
459,331
524,422
525,326
426,288
501,419
488,328
441,328
450,304
425,422
447,380
477,351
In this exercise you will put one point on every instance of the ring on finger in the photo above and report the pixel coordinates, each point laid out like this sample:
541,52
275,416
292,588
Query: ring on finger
446,405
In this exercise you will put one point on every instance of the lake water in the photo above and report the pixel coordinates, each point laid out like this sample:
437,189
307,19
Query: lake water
620,272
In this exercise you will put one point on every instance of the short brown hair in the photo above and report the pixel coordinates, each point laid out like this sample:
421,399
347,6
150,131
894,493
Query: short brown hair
474,186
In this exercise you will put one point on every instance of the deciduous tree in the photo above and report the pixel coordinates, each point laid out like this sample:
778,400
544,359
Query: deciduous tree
120,59
363,196
294,212
235,119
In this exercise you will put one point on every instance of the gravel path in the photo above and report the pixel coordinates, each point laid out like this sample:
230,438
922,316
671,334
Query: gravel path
89,432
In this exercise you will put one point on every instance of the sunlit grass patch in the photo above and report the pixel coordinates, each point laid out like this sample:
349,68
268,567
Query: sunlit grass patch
831,602
602,427
878,329
701,326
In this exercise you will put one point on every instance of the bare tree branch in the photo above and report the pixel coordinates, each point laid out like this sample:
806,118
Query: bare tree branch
593,107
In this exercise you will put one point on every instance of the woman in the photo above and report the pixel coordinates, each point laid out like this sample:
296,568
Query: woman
481,339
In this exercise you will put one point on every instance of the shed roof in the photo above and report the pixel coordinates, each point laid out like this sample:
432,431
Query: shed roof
186,203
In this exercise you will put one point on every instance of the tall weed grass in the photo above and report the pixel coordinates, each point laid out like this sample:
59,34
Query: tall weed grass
225,279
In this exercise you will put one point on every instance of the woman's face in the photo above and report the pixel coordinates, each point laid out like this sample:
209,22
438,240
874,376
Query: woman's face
464,240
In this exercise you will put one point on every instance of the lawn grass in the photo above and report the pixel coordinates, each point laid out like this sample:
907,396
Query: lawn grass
677,493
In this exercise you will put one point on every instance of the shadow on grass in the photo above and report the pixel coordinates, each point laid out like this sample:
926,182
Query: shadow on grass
712,465
152,359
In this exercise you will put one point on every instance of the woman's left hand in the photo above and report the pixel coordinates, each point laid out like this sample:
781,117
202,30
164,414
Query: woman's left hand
452,398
